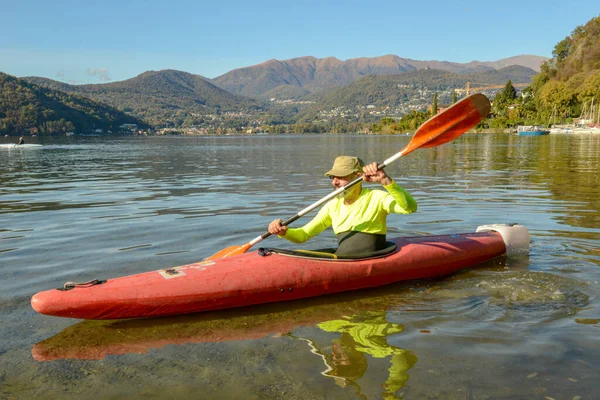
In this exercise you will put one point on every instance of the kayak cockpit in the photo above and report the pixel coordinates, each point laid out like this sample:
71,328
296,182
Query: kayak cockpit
329,253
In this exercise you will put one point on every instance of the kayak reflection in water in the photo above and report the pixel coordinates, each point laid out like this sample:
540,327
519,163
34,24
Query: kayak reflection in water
358,215
362,336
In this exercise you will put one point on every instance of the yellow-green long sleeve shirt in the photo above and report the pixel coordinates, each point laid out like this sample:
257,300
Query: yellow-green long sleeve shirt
367,214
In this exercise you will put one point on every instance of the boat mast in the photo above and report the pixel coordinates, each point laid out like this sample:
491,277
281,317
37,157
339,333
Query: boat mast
553,117
583,114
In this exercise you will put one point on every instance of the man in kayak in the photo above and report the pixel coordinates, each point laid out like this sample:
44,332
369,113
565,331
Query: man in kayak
21,141
358,215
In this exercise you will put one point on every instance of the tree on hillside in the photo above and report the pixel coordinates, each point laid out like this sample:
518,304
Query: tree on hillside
555,94
590,88
434,108
509,93
454,96
529,104
562,49
505,98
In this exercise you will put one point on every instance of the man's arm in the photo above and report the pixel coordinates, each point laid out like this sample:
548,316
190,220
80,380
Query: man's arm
300,235
401,202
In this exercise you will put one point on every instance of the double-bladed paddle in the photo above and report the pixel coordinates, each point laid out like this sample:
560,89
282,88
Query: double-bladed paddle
437,130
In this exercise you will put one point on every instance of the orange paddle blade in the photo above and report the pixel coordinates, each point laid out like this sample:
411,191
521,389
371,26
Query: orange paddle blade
460,128
451,123
480,109
229,251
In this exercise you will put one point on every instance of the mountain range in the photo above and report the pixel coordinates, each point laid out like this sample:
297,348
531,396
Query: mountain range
171,98
160,97
309,74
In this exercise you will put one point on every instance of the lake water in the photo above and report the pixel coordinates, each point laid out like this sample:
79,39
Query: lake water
84,208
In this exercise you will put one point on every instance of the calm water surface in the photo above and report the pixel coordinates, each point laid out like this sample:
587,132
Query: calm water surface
84,208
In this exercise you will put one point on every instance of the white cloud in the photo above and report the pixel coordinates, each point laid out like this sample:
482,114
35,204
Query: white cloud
101,73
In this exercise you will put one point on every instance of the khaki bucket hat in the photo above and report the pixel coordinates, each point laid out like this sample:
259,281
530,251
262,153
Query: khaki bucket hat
345,165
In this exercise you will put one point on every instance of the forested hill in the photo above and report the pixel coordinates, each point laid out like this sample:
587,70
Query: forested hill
27,108
162,97
394,90
570,81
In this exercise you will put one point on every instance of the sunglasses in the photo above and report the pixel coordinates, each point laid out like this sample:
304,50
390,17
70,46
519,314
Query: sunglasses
345,178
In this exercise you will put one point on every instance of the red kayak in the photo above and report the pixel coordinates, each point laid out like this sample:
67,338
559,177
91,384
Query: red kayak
262,277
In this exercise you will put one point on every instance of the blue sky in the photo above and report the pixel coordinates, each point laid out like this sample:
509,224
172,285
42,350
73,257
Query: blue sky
106,41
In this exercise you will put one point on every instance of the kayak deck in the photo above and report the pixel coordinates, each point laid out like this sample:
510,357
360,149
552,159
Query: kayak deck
252,278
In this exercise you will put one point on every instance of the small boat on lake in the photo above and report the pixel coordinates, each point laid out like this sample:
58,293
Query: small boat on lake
562,129
575,129
532,130
19,146
272,275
